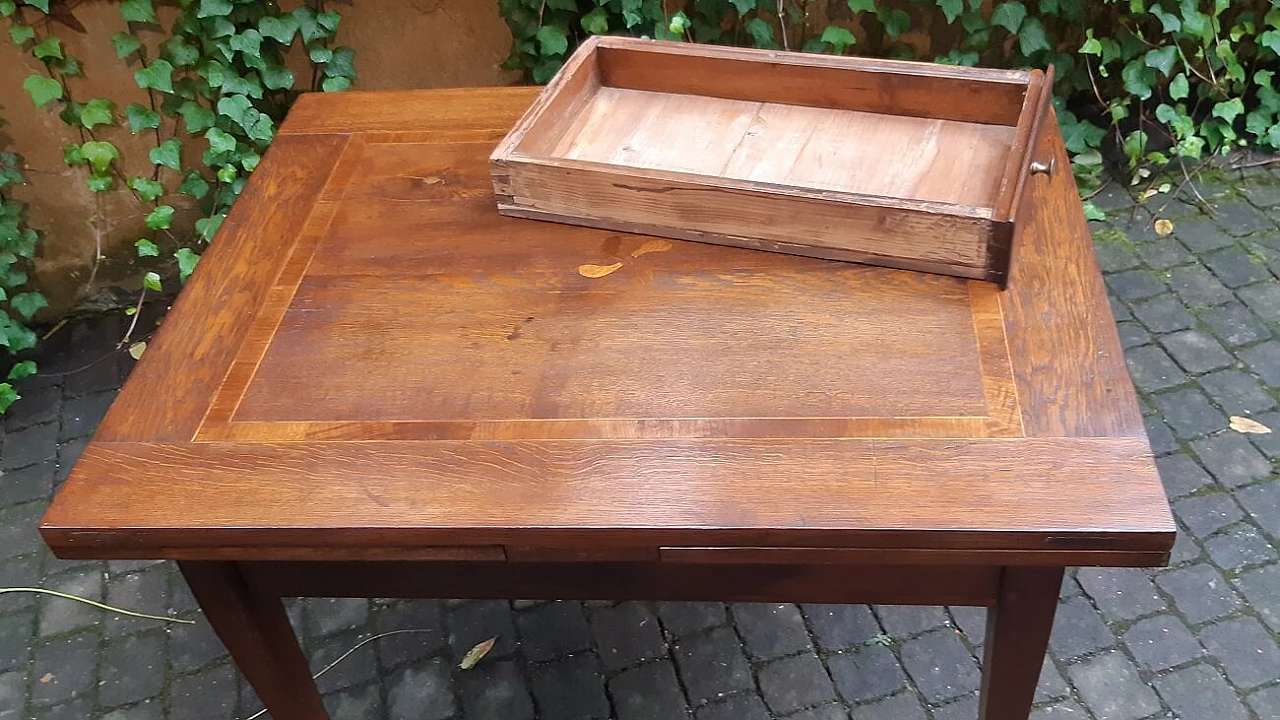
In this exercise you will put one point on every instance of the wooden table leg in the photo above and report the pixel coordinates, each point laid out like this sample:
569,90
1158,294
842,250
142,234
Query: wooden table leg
1017,637
256,631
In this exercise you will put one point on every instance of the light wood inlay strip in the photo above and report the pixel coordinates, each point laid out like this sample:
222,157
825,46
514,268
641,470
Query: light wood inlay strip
993,356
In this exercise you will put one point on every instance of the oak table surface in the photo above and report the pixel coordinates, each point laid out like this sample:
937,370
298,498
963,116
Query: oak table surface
371,364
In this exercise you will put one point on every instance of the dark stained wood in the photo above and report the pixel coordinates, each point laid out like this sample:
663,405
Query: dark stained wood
912,585
1017,635
252,624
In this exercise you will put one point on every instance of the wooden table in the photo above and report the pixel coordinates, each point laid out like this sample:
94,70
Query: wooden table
376,386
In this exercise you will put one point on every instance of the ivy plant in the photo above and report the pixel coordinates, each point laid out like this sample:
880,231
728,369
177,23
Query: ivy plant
217,87
18,303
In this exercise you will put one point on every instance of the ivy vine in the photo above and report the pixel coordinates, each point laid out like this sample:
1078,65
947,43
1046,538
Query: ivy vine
217,74
17,249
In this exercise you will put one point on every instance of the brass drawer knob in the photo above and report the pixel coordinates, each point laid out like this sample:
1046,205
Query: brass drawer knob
1043,168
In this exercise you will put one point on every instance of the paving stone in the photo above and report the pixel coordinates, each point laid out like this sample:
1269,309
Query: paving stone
903,621
1237,392
59,616
1120,593
41,402
74,710
424,617
966,708
1111,688
1152,369
972,621
192,647
1241,546
866,673
1262,589
1195,351
33,482
147,589
648,692
1269,443
712,665
355,703
1235,267
837,627
1264,359
570,689
1112,197
64,669
81,416
1161,642
495,690
13,694
68,453
905,706
357,669
21,571
16,629
421,691
1199,592
1234,324
1161,437
1132,334
1231,459
684,618
824,712
1185,549
1266,702
327,616
625,634
1200,692
1262,501
1115,256
1164,253
1262,192
743,707
207,695
941,666
132,669
1248,654
1163,314
475,622
151,709
795,683
1119,311
1078,629
1069,710
1206,514
1051,684
1239,218
1181,474
28,447
553,630
1189,413
1135,284
770,630
1198,287
1201,234
1264,299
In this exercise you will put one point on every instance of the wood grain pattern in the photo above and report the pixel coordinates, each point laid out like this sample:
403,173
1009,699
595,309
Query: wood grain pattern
828,157
1017,636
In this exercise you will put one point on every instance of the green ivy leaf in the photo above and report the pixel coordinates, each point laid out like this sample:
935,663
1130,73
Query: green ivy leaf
214,8
858,6
100,182
146,248
97,111
551,40
41,5
100,154
7,8
156,76
1091,45
247,43
151,281
21,34
1134,143
277,77
895,21
24,369
27,304
1091,212
141,117
247,85
219,141
125,44
194,185
1009,15
951,9
179,52
1178,87
208,227
48,48
146,188
1031,37
320,54
743,6
196,117
1271,41
187,260
280,28
139,11
161,218
330,20
72,156
1162,59
168,154
233,107
335,84
8,396
42,89
342,64
1169,23
1138,79
839,38
1229,110
307,24
596,22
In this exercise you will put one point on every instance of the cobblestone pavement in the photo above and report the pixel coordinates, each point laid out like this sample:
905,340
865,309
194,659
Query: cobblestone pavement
1198,313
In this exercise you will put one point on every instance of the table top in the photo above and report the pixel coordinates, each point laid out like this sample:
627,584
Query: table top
370,362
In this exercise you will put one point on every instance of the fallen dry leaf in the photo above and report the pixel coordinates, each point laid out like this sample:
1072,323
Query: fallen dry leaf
1245,425
476,654
1164,227
136,350
46,678
651,247
597,271
1149,193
